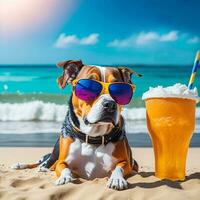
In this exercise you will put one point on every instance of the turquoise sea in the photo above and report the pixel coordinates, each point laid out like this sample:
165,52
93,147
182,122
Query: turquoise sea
40,80
31,103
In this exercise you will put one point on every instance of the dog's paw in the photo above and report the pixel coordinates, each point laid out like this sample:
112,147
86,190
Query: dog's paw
63,180
17,166
117,181
65,177
43,169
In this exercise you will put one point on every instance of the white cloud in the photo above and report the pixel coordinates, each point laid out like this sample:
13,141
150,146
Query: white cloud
67,40
171,36
193,40
64,40
90,40
144,38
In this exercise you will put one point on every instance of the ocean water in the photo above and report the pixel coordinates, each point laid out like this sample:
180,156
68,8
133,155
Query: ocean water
32,103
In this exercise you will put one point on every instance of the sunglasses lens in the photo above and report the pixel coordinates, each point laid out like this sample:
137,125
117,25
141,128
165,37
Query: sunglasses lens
87,90
121,93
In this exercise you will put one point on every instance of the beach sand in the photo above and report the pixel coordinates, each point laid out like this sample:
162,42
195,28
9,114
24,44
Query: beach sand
30,184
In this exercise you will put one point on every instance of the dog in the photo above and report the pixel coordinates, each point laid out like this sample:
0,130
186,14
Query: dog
93,142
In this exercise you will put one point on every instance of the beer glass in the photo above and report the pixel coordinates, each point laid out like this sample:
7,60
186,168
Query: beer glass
171,122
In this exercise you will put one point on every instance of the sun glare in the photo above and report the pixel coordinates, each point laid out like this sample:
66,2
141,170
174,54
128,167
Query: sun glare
18,14
25,15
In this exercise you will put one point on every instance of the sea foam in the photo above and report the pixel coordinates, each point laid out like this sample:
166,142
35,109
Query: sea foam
32,111
40,111
40,117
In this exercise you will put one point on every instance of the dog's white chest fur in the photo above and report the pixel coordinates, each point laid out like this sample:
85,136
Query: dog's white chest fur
91,161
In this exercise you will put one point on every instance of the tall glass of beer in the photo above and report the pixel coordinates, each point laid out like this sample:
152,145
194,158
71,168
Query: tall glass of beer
170,116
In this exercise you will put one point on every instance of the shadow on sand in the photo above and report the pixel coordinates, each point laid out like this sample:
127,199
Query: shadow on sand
172,184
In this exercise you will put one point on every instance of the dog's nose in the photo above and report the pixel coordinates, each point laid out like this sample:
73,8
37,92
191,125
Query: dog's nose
109,105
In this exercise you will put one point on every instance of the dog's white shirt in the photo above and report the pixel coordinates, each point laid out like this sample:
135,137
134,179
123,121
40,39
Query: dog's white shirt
91,161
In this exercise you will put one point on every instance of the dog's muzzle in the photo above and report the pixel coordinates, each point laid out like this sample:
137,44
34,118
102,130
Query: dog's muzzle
104,110
109,106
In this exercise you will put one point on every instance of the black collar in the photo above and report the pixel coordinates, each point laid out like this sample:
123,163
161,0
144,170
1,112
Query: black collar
70,128
113,136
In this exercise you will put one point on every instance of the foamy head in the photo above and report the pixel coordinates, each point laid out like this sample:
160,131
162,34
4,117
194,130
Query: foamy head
177,91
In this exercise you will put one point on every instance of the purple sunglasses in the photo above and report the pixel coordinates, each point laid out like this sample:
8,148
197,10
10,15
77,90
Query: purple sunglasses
88,90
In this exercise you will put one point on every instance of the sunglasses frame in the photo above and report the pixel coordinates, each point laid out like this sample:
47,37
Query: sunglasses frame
105,86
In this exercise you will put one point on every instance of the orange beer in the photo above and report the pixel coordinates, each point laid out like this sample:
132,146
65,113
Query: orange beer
171,123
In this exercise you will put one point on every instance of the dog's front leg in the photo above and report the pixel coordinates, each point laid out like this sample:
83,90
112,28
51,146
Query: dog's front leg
62,169
123,168
65,175
117,180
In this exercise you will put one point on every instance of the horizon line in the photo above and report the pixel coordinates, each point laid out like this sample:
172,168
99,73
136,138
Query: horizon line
127,64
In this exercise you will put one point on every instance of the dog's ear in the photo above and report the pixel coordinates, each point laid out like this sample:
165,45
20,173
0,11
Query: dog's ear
71,68
126,74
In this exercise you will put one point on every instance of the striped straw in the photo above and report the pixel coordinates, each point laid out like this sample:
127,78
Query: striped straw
194,70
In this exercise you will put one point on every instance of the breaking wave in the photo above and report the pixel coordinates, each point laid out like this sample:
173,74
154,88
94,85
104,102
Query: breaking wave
41,117
40,111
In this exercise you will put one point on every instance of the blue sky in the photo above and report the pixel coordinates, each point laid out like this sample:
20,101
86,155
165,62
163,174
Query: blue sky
99,31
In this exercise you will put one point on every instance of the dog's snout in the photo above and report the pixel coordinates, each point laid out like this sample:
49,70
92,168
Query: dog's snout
109,105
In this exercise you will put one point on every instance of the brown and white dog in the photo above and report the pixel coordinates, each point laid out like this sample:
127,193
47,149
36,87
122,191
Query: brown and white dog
92,143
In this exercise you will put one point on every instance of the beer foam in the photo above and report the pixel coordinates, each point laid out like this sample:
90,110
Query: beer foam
178,91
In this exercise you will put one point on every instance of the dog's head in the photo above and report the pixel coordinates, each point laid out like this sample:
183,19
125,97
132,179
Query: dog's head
99,116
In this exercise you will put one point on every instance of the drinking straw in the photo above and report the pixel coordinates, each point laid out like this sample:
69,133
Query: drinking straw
194,70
